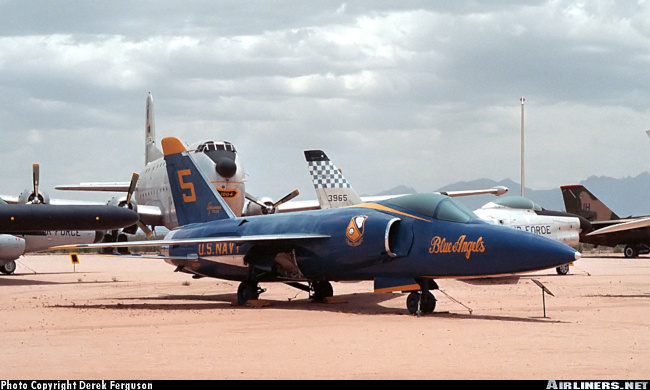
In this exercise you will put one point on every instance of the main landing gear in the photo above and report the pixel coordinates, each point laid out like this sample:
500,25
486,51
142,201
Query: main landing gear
8,268
423,301
318,290
248,290
634,250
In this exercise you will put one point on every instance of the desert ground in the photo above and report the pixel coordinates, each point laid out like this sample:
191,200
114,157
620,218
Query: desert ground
123,318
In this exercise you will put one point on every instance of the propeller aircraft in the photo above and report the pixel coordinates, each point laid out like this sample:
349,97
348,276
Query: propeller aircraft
403,244
151,198
31,224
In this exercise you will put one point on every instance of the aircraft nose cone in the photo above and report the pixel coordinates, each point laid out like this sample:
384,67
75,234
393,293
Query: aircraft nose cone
226,167
519,251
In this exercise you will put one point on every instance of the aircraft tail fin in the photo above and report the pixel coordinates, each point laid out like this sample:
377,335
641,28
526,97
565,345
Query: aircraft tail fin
332,189
195,198
151,152
579,200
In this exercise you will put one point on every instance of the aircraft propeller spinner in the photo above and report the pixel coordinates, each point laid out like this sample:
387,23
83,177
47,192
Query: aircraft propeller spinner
128,204
267,206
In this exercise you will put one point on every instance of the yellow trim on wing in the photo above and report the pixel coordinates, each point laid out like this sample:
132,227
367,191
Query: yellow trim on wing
376,206
406,287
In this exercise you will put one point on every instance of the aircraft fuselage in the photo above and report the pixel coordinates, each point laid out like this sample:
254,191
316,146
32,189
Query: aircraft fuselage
364,243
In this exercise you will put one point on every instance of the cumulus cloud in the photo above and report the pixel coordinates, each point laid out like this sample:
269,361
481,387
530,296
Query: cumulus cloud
413,92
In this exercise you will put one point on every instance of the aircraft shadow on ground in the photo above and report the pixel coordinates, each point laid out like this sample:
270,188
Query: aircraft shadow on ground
19,280
357,303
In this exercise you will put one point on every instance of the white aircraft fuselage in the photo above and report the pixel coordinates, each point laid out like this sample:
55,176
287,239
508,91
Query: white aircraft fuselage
523,214
153,189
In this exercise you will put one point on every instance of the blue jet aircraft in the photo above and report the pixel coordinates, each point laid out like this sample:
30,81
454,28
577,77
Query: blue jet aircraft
403,243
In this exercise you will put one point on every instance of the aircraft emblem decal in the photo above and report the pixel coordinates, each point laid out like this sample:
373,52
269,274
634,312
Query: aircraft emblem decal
325,175
213,209
354,232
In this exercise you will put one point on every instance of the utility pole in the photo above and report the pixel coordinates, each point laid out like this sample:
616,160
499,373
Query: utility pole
522,100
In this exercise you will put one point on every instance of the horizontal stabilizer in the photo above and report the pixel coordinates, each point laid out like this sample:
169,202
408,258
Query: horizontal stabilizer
633,224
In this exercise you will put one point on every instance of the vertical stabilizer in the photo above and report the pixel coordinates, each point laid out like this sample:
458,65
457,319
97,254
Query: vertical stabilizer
151,152
195,198
332,189
578,200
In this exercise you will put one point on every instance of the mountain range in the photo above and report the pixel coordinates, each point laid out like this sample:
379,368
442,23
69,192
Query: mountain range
625,196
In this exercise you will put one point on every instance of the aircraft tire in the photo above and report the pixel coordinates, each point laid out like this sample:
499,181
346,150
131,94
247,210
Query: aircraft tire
246,292
413,302
422,302
563,269
322,290
8,268
428,304
631,251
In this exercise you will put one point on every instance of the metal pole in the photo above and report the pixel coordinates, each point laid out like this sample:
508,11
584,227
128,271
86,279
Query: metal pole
522,100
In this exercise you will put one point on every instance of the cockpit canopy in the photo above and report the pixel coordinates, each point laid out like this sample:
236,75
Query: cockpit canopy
435,206
517,202
211,146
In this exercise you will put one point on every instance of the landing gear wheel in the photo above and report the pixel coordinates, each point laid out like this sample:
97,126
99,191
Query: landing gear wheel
321,290
418,302
246,292
8,268
631,251
413,302
563,269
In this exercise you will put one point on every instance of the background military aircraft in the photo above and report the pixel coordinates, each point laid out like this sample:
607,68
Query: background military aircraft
333,190
608,228
403,244
220,162
33,225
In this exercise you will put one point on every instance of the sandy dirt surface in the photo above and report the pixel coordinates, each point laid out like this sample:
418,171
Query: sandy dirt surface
116,318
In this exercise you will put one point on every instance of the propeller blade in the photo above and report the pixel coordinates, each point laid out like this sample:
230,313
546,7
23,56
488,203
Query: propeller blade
255,200
287,198
35,179
144,228
134,181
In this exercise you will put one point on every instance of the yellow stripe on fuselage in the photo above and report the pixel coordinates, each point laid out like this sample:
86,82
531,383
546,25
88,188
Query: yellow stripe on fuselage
376,206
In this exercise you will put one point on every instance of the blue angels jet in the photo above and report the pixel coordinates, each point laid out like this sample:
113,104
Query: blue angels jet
403,244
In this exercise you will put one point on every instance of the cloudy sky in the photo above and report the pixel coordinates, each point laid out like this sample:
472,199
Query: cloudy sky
420,93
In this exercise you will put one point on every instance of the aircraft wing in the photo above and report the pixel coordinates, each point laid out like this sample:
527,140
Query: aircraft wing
149,215
202,240
106,187
298,205
624,226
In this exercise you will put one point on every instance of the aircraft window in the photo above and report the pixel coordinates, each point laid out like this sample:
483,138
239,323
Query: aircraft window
435,206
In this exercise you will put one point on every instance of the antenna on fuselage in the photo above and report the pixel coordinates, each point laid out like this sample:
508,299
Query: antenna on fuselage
522,100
